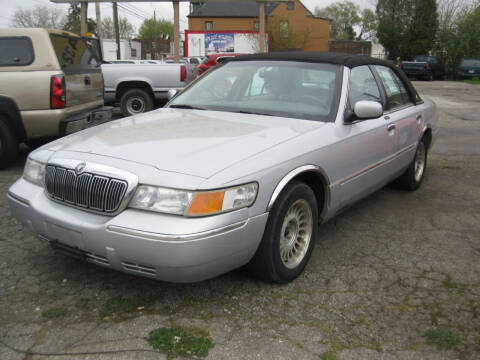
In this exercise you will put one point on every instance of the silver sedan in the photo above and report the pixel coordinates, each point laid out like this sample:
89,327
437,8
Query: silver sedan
238,169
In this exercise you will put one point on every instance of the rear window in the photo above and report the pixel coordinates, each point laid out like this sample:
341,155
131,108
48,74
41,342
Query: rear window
16,51
470,62
73,53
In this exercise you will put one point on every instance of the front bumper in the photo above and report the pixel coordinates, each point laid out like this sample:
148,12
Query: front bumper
165,247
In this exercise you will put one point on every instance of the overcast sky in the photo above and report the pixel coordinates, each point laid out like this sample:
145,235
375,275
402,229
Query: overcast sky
138,11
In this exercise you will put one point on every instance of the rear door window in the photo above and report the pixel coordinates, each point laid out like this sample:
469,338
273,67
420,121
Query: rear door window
74,54
397,95
16,51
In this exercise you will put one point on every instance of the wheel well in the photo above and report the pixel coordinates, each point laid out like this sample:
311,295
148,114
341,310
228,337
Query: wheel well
319,186
428,138
123,87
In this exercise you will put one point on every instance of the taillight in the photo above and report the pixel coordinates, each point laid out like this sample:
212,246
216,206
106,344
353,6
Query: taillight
401,65
183,73
58,92
428,66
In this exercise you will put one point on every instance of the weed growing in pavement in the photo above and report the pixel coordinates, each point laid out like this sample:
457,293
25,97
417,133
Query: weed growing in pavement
328,356
122,305
443,339
54,313
180,342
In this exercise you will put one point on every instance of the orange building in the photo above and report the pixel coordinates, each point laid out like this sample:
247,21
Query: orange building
289,24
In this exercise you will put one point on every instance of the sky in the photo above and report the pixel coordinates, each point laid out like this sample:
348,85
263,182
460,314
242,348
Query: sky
137,11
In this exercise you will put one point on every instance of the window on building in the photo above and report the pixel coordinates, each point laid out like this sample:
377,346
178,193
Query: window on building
284,29
208,25
290,5
133,52
256,26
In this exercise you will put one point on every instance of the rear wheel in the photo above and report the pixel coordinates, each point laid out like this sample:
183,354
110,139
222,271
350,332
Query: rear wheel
136,101
8,145
289,235
413,176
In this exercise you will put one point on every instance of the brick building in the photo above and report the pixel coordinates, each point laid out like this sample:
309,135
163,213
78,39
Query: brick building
289,24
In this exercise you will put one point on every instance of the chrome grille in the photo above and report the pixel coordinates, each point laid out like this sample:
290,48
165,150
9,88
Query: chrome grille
86,190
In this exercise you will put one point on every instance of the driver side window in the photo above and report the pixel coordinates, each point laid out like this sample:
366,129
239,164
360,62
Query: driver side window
362,86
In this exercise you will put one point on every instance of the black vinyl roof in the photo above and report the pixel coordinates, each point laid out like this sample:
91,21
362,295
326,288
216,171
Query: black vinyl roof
347,60
230,9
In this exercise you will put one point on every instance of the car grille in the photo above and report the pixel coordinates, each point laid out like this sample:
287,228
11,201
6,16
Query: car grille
85,190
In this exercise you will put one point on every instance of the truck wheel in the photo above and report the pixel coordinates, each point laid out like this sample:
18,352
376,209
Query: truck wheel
429,77
8,145
136,101
289,236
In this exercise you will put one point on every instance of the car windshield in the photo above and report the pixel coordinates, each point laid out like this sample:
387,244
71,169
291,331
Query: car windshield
278,88
470,62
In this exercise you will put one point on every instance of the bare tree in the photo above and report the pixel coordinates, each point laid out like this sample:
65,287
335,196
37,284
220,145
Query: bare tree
38,17
126,29
449,10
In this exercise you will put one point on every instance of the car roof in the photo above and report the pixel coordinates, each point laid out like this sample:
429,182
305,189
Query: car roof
348,60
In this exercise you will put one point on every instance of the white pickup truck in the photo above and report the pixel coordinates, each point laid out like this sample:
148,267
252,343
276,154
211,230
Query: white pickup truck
137,86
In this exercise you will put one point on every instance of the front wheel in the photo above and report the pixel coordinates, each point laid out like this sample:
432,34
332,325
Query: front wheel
413,176
8,145
289,236
136,101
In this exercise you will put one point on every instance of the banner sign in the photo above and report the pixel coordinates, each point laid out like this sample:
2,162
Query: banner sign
219,43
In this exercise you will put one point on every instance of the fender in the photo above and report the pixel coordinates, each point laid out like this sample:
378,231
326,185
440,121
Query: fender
294,173
10,113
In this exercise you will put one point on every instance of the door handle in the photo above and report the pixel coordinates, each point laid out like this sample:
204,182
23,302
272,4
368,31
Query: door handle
419,119
391,127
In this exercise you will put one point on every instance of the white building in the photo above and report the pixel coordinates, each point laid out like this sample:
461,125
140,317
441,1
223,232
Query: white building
129,50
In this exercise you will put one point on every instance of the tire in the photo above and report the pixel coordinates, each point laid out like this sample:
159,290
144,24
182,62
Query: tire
287,243
429,77
412,178
136,101
8,145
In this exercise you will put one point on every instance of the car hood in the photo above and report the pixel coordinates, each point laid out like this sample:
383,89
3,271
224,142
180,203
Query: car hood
193,142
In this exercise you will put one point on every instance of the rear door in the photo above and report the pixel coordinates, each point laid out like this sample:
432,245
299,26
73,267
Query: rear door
81,66
402,115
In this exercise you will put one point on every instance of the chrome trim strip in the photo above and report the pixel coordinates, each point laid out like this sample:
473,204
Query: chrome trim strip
380,163
175,238
286,179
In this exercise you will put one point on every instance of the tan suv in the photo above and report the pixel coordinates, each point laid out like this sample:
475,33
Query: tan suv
51,84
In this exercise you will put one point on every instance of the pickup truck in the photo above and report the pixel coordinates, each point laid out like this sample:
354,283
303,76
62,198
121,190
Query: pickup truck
50,85
424,66
137,86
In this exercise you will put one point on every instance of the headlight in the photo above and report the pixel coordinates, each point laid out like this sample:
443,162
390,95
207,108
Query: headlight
34,172
191,203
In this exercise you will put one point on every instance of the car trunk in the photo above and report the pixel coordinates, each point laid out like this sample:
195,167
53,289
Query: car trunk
80,64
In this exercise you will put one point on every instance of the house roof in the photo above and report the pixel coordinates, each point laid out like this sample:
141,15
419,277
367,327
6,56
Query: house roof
231,9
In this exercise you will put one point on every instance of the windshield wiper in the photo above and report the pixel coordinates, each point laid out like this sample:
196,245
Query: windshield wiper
251,112
185,106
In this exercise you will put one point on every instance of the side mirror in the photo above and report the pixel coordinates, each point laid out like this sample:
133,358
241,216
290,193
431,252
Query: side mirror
367,110
171,94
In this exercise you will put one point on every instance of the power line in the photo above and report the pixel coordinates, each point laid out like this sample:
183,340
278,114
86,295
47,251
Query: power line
130,12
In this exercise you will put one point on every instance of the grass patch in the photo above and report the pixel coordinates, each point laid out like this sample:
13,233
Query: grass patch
180,342
122,305
328,356
475,81
443,339
54,313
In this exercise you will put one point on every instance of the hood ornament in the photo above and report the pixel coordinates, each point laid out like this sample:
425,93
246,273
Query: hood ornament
80,167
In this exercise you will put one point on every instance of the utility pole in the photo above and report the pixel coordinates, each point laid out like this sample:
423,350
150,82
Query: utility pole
83,18
117,30
176,30
154,35
261,14
99,25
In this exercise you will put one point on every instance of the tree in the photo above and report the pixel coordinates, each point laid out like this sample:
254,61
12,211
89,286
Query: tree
72,23
344,16
38,17
459,38
126,29
368,25
407,27
156,29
